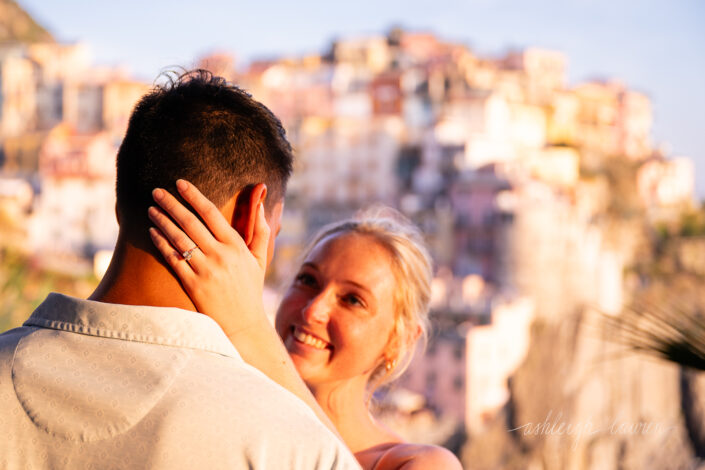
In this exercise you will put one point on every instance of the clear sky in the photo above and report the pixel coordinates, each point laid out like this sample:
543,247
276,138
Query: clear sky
653,46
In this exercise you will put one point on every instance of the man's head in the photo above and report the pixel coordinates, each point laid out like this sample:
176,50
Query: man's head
202,129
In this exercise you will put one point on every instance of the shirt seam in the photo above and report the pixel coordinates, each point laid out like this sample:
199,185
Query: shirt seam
70,327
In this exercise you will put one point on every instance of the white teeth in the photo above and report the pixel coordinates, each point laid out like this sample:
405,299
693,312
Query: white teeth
309,340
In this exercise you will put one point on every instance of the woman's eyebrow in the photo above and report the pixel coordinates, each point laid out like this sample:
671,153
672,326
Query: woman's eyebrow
359,286
312,265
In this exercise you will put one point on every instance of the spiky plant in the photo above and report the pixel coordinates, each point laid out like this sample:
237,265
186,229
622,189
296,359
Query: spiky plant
668,322
669,330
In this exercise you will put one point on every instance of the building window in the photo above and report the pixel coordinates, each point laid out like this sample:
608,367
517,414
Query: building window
458,382
458,352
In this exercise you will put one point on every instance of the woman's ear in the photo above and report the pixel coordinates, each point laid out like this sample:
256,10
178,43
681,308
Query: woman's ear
396,343
391,352
245,213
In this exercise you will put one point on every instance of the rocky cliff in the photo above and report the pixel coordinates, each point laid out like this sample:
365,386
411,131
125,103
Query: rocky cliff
584,398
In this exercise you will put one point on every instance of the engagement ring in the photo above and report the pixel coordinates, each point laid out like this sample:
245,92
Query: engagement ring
189,253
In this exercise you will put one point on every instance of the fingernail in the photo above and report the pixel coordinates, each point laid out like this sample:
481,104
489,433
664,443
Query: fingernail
158,194
152,211
152,232
181,185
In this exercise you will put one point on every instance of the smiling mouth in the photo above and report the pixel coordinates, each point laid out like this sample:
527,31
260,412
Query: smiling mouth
308,339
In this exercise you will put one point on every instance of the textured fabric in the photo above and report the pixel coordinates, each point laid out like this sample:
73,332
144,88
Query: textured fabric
86,384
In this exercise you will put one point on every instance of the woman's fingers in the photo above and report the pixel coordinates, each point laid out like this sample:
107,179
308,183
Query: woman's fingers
219,227
172,257
176,238
190,224
260,238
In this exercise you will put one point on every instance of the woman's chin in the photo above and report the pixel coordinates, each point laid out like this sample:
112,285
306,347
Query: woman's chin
310,361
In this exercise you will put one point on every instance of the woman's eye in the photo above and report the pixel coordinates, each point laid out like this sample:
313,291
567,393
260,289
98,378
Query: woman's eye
353,300
305,279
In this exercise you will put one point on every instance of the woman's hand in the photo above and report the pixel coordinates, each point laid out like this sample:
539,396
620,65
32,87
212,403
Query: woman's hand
223,276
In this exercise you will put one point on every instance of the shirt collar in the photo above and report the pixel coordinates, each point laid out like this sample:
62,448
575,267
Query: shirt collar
167,326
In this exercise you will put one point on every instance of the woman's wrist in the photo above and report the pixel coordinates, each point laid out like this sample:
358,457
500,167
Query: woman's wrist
240,325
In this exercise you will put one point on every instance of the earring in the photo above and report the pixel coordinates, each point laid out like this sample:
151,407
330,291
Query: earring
389,365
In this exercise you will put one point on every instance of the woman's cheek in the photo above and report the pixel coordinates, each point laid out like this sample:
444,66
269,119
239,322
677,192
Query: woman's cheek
351,333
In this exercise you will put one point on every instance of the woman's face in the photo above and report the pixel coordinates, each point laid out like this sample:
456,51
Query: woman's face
337,316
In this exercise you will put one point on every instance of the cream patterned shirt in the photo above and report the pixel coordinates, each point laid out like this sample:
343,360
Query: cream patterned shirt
85,384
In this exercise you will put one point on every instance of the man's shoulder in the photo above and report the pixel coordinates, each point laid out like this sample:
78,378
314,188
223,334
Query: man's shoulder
230,409
8,344
221,396
220,379
10,338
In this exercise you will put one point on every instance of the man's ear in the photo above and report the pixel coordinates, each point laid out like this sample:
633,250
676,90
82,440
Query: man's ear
245,214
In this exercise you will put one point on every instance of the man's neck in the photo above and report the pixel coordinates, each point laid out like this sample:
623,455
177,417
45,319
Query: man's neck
136,277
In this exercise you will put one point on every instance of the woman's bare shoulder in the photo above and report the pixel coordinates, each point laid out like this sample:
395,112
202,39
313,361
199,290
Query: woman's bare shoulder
418,456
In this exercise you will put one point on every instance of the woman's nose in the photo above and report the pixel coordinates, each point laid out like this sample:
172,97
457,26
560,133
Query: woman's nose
317,309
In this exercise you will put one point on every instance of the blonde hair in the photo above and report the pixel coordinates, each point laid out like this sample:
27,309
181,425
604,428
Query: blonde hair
413,270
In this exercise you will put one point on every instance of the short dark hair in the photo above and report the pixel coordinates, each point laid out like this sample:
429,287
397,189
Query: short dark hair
201,128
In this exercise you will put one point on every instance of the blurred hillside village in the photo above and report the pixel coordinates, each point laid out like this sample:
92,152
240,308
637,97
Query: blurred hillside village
533,194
